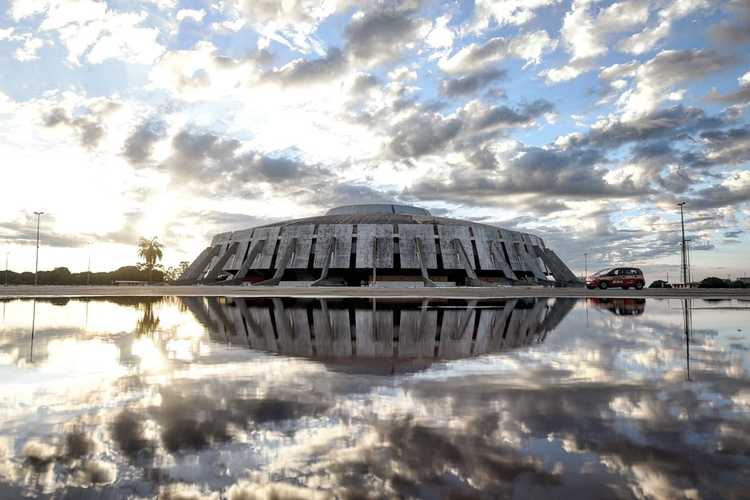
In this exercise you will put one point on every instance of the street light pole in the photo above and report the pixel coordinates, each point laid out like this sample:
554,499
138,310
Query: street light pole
684,255
6,268
36,265
585,266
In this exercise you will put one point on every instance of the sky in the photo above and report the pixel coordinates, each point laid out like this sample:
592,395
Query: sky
583,122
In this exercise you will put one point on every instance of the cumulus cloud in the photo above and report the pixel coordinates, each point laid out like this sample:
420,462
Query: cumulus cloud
196,15
304,72
665,70
204,73
469,84
650,36
92,31
364,82
737,30
88,124
381,35
424,132
513,12
292,23
585,35
140,143
474,57
529,171
211,163
740,96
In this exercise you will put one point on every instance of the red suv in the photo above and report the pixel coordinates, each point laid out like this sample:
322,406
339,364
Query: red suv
624,277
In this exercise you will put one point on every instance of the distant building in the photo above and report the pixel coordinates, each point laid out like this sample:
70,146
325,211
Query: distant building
378,244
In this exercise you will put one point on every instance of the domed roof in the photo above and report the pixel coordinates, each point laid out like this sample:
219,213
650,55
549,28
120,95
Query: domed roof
378,208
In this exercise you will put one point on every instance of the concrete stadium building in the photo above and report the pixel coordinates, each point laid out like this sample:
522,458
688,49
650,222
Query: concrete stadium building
377,244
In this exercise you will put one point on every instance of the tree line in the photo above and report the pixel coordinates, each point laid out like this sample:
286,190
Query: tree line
150,250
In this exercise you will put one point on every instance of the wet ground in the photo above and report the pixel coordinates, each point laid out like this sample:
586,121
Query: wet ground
380,291
214,397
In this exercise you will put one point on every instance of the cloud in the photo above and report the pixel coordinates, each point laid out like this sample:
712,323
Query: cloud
292,23
424,132
545,173
665,70
649,37
364,82
733,190
513,12
90,29
677,123
469,84
214,164
195,15
246,490
380,35
203,73
585,36
740,96
474,57
88,124
736,31
305,72
140,143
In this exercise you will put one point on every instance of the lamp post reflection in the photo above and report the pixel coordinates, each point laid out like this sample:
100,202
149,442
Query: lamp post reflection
33,328
687,322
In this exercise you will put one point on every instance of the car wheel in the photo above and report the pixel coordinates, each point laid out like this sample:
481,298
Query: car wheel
639,286
603,285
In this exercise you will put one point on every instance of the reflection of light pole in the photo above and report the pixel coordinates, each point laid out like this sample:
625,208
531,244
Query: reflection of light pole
36,266
684,255
33,327
688,326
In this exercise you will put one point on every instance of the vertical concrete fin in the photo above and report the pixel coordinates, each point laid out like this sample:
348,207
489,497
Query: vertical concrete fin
463,257
240,276
529,261
560,271
498,257
284,261
219,265
329,252
194,271
422,267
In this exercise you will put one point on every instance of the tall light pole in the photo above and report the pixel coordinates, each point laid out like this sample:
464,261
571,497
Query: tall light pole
684,254
585,266
6,268
36,265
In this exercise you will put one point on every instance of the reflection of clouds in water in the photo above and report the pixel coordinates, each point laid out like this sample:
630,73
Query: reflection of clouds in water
602,411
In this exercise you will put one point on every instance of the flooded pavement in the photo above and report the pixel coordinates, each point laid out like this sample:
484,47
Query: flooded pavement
213,397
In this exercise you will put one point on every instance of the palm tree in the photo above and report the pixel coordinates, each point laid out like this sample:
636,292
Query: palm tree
150,251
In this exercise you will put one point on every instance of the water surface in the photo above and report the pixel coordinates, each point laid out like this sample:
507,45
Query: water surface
220,397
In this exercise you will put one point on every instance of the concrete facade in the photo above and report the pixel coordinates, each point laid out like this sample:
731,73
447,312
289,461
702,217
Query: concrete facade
361,244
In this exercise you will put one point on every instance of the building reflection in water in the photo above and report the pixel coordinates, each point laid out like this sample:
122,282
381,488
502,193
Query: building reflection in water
377,335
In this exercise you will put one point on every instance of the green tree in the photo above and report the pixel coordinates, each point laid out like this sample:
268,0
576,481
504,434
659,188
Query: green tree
174,272
150,250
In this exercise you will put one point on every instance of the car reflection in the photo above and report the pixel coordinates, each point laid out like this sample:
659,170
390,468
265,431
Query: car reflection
376,335
620,307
